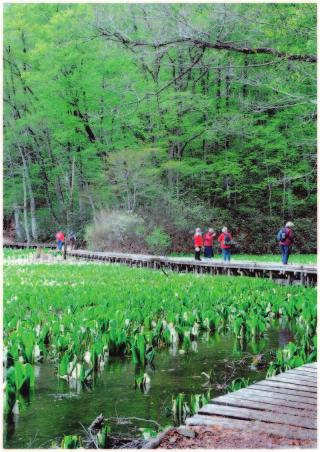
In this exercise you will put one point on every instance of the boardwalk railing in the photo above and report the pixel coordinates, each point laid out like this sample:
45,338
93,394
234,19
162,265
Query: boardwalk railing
298,274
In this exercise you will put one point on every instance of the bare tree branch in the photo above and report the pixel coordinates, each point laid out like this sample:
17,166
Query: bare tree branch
118,37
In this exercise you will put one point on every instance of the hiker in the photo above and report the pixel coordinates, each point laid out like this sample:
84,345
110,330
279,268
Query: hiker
225,240
72,240
285,238
198,244
59,239
208,243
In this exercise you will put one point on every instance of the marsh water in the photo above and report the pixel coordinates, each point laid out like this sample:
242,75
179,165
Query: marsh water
56,409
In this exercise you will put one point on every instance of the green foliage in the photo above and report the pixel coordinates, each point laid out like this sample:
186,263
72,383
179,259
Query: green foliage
238,383
177,136
103,437
292,356
20,380
71,442
181,408
158,241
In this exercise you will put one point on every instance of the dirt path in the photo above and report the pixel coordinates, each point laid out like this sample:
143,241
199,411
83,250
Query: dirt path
221,438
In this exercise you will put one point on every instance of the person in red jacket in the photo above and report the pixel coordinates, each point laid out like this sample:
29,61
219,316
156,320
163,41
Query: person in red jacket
208,243
60,240
225,240
198,244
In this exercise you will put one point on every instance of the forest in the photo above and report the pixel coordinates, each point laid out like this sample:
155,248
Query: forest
140,122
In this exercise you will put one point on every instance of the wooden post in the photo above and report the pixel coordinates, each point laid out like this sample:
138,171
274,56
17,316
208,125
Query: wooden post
65,250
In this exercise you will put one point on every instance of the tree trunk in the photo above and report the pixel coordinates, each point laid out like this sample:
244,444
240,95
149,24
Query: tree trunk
218,89
34,224
18,229
25,206
27,181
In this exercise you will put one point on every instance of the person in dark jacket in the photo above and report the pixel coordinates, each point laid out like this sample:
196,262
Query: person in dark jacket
286,243
225,239
72,240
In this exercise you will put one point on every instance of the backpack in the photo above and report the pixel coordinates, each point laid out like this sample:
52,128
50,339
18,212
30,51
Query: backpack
227,240
282,235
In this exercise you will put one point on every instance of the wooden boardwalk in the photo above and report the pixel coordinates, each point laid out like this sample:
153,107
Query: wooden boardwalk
284,405
298,274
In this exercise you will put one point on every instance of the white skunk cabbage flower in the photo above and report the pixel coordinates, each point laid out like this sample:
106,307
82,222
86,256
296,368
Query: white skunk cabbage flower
36,352
76,371
195,329
5,351
71,365
194,346
87,357
146,379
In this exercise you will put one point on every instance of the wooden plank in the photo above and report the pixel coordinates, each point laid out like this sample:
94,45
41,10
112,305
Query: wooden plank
283,431
304,390
308,397
305,375
279,394
310,373
308,370
261,406
257,402
249,414
293,380
309,366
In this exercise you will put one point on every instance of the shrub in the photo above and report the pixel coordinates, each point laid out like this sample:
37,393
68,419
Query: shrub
158,240
116,230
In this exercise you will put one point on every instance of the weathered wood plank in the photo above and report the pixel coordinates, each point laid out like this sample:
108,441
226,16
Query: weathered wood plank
304,390
283,431
249,414
309,366
257,403
267,391
301,374
292,380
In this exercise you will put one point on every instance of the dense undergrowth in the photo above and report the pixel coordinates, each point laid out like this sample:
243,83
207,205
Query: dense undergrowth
76,315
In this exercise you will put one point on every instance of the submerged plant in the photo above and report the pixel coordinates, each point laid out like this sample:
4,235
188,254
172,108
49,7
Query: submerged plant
143,382
211,377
